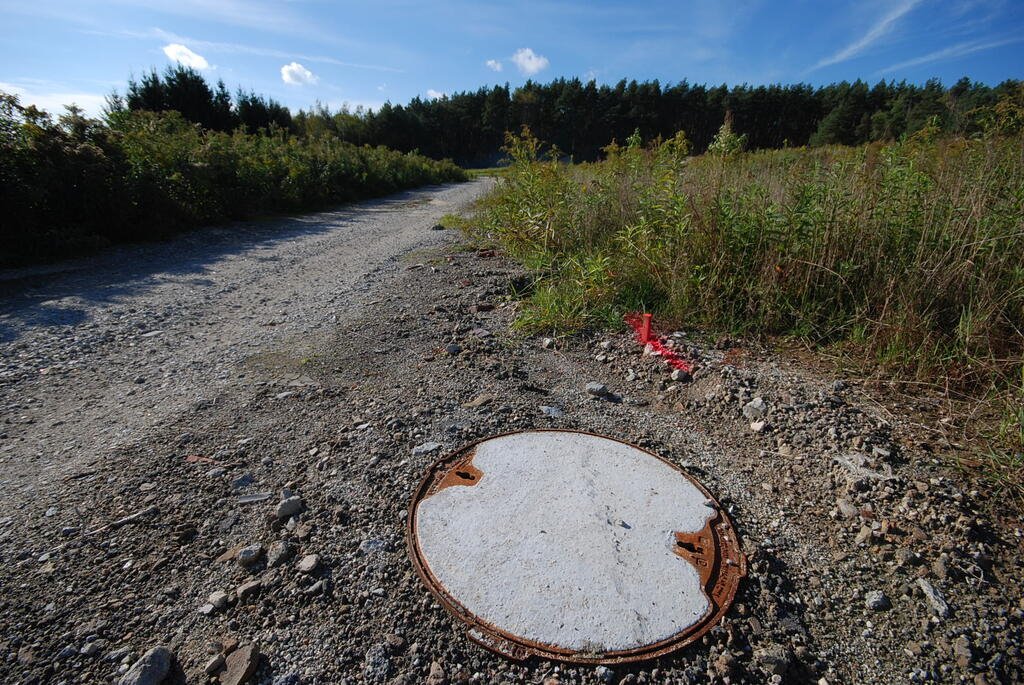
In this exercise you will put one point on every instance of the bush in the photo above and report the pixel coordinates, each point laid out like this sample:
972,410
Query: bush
910,253
78,183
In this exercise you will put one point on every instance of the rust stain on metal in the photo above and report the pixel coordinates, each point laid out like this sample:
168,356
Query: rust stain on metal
700,550
461,473
714,551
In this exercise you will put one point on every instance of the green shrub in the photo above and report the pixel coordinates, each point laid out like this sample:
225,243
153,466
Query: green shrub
77,183
911,253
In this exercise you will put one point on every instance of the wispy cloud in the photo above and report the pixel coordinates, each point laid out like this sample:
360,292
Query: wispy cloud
958,50
51,97
435,94
241,49
265,16
176,52
295,74
529,62
494,65
880,29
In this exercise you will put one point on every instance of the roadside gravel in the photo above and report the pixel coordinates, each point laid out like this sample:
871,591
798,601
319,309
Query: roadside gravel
209,446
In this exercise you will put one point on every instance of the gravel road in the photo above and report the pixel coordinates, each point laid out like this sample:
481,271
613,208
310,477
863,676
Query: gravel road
98,350
209,445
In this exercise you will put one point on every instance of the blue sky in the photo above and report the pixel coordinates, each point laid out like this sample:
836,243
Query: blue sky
364,53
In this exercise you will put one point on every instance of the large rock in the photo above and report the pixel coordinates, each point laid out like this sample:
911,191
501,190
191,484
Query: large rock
151,669
240,665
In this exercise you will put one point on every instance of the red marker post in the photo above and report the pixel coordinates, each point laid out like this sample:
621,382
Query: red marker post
645,332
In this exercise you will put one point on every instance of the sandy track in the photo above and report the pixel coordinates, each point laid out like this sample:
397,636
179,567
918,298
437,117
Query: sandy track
98,349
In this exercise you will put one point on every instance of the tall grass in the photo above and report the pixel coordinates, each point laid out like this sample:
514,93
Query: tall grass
910,254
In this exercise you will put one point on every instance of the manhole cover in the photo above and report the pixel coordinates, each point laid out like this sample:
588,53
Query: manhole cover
574,547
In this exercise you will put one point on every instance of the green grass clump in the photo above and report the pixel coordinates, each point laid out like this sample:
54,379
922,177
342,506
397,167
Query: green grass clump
494,171
78,183
910,254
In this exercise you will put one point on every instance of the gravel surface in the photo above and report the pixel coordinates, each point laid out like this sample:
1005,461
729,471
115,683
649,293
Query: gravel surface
208,447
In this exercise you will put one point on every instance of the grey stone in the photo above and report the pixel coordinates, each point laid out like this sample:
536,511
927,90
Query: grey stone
218,599
754,409
117,654
597,389
289,507
255,498
247,590
846,509
373,545
875,600
425,448
962,652
243,481
940,569
249,555
279,552
377,665
453,349
309,563
936,601
437,675
905,557
151,669
214,665
681,376
553,412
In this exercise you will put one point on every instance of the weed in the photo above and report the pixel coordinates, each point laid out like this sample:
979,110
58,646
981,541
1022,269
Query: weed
907,254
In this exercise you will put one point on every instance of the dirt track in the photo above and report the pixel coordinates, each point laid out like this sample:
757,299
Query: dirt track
180,380
109,346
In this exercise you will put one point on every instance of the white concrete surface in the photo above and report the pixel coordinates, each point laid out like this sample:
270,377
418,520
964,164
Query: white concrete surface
567,540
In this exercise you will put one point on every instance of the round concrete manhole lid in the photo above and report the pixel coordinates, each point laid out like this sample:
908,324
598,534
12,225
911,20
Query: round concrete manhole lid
574,547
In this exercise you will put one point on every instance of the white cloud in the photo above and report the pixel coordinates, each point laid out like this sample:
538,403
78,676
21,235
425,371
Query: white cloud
435,94
529,62
297,75
238,48
493,65
182,55
51,97
880,29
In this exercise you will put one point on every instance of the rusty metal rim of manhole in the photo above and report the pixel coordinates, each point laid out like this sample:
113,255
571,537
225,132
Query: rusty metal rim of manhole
720,570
